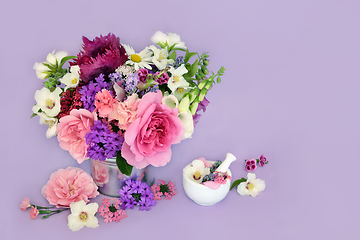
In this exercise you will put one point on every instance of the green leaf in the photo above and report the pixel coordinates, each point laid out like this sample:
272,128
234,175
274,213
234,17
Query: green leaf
218,79
189,55
181,49
162,45
122,164
33,115
65,59
237,182
173,55
194,69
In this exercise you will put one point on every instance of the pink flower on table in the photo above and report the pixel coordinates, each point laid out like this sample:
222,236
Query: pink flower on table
25,204
71,131
262,160
69,185
125,112
148,139
250,165
104,102
34,212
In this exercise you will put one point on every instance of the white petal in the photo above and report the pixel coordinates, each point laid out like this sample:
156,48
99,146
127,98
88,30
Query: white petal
158,37
251,177
92,222
259,185
51,58
254,192
170,101
241,188
74,222
91,208
77,207
60,55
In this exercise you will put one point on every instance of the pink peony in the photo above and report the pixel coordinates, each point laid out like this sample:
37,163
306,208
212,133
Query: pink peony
25,204
148,139
69,185
100,173
104,103
34,212
125,112
71,132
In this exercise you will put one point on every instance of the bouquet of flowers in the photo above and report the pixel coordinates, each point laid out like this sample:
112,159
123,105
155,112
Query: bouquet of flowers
114,102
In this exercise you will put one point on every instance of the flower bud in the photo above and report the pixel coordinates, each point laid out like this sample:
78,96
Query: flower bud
204,69
206,62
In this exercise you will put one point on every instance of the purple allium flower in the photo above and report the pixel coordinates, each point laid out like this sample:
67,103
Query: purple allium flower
136,193
102,142
89,91
101,55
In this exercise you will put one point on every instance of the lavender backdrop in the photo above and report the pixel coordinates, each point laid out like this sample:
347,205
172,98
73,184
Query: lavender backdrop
291,92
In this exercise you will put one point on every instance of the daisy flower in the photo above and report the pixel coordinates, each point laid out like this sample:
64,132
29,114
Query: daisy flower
138,60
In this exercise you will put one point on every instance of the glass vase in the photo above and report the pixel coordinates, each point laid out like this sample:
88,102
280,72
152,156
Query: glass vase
108,177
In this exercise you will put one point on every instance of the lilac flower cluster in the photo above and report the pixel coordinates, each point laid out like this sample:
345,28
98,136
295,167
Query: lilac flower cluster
89,91
178,62
102,142
136,193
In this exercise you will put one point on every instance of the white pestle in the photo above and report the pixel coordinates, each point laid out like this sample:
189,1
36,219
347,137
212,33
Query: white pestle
224,166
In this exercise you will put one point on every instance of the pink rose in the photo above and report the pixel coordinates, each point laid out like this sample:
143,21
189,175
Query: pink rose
125,112
69,185
100,173
104,103
71,132
148,139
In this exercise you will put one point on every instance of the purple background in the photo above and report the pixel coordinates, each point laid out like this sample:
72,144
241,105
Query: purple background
291,92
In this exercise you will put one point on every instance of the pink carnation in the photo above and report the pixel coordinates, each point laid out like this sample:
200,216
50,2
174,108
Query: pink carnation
71,132
125,112
69,185
104,103
34,212
148,139
25,204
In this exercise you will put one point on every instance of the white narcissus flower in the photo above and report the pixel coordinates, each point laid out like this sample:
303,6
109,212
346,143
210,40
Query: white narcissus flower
42,70
48,102
71,79
51,122
82,215
186,117
197,170
138,60
170,38
252,186
177,83
160,58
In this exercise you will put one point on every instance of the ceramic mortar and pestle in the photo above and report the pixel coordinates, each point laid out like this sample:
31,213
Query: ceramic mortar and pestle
196,190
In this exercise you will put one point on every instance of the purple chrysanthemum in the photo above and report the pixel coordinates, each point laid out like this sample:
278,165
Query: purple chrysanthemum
102,142
89,91
101,55
136,193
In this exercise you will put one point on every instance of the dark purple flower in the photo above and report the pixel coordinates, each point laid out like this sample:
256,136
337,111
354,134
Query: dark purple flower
202,106
262,160
162,78
136,193
102,55
142,72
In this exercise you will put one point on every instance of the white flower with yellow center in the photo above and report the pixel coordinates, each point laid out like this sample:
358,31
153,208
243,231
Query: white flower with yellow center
48,102
160,58
170,39
82,215
51,122
196,170
42,70
252,186
71,79
138,60
177,84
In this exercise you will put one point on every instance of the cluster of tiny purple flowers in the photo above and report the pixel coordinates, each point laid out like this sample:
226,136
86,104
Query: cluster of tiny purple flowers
89,91
250,164
102,142
136,193
216,176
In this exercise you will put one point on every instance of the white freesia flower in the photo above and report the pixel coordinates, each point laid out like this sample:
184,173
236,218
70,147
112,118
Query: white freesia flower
51,122
138,60
42,70
196,171
48,102
177,84
71,79
186,117
170,38
252,186
82,215
160,58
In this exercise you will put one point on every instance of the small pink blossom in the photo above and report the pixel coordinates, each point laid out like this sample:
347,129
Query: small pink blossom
104,103
71,132
262,160
142,73
69,185
250,165
111,211
125,112
25,204
163,189
34,212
